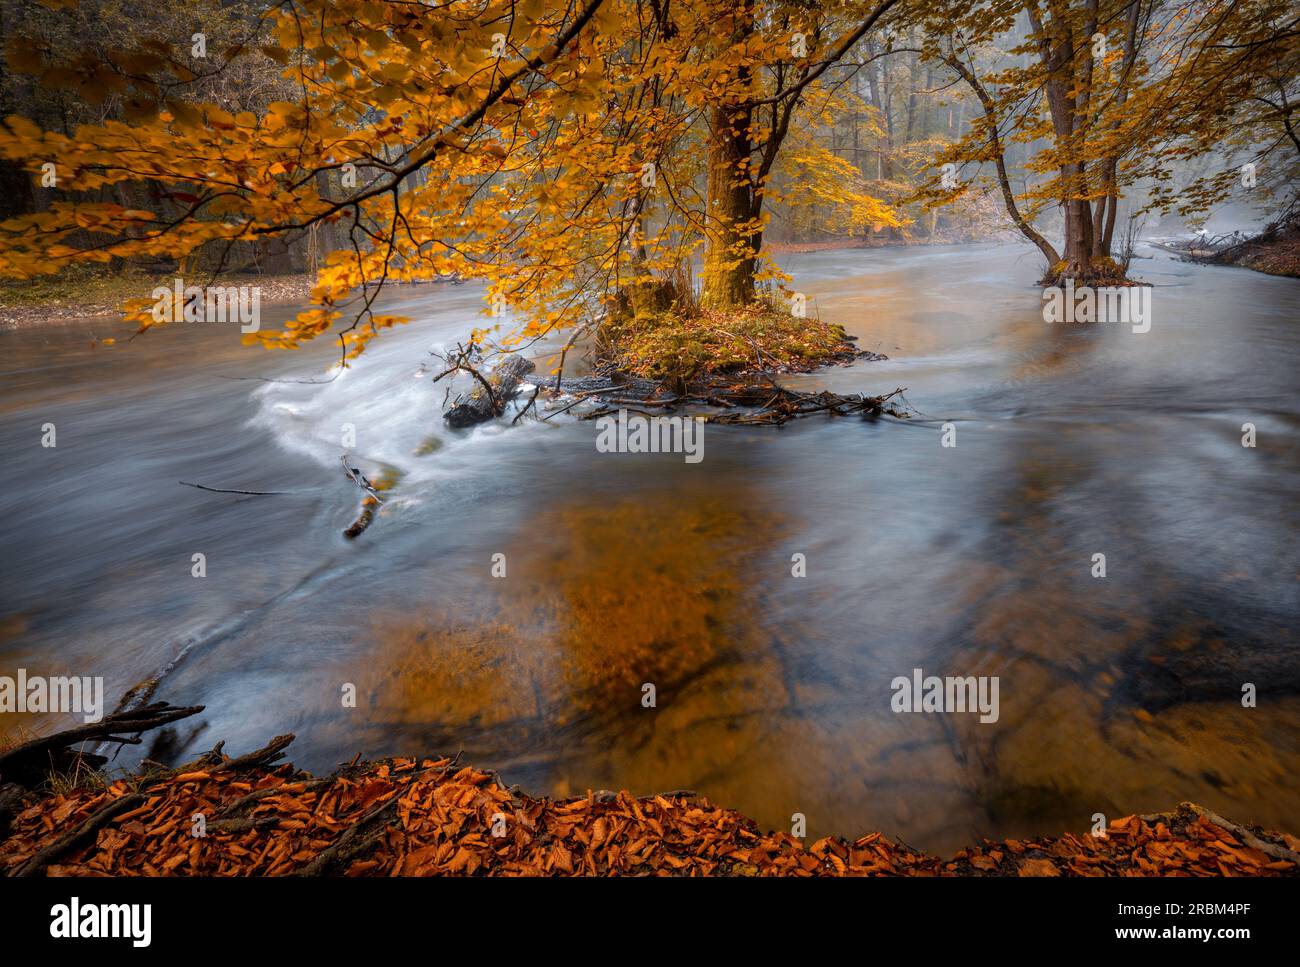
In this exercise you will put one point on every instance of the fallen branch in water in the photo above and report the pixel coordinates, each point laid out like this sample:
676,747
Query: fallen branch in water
528,406
494,391
742,401
369,504
561,410
246,493
780,404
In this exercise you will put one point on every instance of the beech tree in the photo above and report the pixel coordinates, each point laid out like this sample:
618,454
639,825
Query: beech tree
762,81
1113,93
568,153
1237,95
550,148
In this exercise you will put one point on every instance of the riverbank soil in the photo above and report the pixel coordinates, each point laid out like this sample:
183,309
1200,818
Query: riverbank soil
87,294
413,817
1275,251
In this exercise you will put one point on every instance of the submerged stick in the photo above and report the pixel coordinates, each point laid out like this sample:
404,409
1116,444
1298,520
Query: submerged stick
246,493
519,416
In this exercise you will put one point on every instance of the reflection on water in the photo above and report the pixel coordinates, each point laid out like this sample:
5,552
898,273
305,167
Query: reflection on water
599,601
772,691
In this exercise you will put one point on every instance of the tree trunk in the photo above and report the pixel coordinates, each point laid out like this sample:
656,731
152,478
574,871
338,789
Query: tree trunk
732,242
1104,227
1078,234
998,153
1066,103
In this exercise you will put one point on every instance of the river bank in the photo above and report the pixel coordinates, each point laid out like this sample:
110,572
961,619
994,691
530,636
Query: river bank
1277,254
33,302
1274,251
433,816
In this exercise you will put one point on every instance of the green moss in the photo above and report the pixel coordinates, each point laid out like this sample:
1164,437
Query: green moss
684,345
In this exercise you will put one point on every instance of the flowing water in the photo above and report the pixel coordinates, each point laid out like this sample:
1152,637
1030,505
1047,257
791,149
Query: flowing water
1117,694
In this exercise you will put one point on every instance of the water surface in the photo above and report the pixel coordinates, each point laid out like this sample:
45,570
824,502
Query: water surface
1117,695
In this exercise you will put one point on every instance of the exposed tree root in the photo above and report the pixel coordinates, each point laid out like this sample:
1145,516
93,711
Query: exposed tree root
32,762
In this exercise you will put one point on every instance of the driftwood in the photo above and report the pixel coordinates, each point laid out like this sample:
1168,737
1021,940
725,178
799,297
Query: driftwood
367,831
1243,833
273,751
236,808
489,398
1223,248
776,404
722,400
31,763
355,841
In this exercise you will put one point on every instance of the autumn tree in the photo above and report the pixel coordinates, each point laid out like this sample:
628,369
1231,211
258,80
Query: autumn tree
760,79
1063,84
506,141
1236,96
463,138
1108,93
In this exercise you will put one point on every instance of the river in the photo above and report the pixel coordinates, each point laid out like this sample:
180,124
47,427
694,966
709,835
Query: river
773,692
